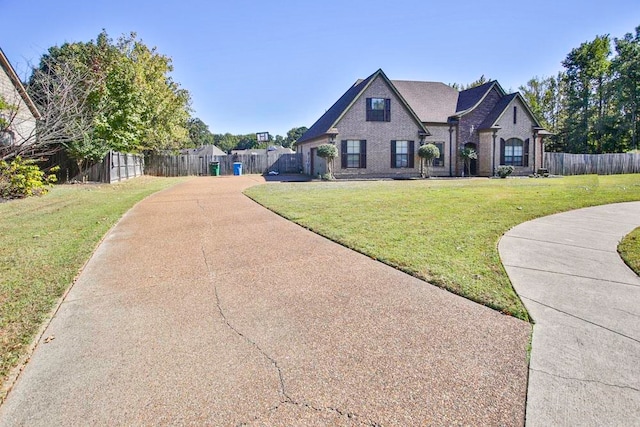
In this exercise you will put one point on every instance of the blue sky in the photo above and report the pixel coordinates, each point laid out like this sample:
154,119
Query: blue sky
255,66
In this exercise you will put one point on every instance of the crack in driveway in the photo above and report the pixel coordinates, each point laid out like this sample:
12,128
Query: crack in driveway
584,380
285,398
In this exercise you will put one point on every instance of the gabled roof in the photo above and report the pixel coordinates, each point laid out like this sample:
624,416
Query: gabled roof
342,105
501,107
497,111
433,102
470,98
205,150
326,121
13,76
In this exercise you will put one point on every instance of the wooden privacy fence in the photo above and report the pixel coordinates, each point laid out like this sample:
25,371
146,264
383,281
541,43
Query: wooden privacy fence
583,164
116,167
190,164
113,168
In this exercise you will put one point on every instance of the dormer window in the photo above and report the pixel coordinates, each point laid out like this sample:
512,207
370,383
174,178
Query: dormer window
378,109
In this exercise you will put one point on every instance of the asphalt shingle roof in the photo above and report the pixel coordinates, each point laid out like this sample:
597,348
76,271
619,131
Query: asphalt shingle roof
470,97
324,123
497,111
433,102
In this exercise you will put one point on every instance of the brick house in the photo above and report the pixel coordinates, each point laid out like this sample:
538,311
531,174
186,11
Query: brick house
18,123
378,125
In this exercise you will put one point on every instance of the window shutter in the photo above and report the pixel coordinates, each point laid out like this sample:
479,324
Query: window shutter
411,154
387,110
502,144
393,154
363,154
343,153
525,157
368,109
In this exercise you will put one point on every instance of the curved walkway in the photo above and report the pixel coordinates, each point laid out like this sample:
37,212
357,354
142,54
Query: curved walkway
203,308
585,359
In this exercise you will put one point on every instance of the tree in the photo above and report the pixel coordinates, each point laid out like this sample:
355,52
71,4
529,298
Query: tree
100,95
626,69
199,133
587,73
467,155
226,142
328,152
427,154
293,135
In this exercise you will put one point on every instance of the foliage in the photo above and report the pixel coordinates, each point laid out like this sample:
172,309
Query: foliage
4,108
428,153
120,97
329,152
293,135
199,133
467,154
629,249
626,71
591,106
386,220
505,170
44,241
22,178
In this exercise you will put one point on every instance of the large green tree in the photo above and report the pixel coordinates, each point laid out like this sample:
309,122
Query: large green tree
293,135
199,133
586,76
123,94
626,68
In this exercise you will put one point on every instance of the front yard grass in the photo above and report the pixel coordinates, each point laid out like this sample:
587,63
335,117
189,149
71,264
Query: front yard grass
44,241
443,231
629,249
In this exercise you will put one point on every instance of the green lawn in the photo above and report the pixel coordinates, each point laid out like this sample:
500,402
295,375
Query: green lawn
44,241
629,249
443,231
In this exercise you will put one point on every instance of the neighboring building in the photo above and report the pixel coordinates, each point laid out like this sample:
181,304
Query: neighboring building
379,124
273,149
205,150
18,122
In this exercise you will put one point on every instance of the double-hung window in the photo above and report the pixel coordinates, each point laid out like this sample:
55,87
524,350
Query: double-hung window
402,153
378,109
354,153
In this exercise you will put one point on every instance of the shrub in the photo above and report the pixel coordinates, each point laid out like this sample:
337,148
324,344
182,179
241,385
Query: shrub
428,153
23,178
329,152
505,171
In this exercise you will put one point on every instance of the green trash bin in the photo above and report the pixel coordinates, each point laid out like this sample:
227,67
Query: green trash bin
214,168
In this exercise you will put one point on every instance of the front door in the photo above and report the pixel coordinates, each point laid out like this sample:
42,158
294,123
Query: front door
473,163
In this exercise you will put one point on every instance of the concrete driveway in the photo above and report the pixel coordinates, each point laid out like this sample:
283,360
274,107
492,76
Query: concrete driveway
203,308
585,359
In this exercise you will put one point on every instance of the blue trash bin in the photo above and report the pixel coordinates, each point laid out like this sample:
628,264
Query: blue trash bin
237,168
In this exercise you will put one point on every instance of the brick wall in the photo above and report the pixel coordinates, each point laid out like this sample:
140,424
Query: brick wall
22,121
468,129
522,129
353,126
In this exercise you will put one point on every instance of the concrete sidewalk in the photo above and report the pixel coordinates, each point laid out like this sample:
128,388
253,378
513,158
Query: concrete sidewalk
203,308
585,360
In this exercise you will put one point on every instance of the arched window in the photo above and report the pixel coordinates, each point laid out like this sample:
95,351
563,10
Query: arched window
514,152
